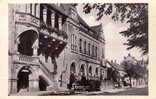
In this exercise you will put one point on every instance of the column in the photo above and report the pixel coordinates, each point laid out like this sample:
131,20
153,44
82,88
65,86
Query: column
17,42
38,10
33,83
45,15
35,48
12,86
60,22
53,19
33,9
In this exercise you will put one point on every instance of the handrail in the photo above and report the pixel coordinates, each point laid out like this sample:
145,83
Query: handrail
25,58
45,69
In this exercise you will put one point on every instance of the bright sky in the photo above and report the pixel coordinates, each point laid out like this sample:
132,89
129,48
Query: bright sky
114,48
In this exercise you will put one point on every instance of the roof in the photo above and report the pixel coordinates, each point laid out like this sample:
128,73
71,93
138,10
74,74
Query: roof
81,21
97,28
65,10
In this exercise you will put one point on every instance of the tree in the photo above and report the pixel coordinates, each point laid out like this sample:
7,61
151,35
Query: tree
135,71
136,15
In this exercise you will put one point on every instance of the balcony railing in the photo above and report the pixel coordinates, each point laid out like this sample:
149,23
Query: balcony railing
54,32
26,18
25,59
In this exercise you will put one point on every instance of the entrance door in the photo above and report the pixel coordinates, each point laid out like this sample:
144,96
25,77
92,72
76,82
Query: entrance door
42,84
23,80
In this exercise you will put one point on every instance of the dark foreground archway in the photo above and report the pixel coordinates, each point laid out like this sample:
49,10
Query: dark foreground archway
42,84
23,79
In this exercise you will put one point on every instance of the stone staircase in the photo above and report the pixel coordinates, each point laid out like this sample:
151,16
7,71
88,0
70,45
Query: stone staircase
50,75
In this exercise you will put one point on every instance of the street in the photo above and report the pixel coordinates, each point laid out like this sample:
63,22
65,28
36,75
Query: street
128,91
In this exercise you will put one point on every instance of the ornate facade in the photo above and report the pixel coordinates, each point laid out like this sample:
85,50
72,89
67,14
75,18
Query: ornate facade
48,42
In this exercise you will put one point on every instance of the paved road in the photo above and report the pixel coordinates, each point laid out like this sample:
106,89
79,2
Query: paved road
130,91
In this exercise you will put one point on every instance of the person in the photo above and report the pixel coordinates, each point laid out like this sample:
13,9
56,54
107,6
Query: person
72,80
83,80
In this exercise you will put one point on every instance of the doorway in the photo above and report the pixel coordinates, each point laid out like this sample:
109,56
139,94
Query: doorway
23,79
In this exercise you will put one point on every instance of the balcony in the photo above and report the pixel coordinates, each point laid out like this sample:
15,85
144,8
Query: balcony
24,59
26,18
53,32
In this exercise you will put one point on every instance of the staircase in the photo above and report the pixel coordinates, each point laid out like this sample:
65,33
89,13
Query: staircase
50,75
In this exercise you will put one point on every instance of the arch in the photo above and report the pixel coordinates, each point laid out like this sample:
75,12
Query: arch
73,68
26,41
73,62
23,78
43,83
82,69
20,67
96,71
22,28
90,70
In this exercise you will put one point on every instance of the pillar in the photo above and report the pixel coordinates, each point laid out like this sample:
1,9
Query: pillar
38,10
12,86
33,83
45,15
33,9
60,22
17,42
35,48
53,19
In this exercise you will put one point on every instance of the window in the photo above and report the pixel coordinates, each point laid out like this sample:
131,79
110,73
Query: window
56,21
84,47
75,43
73,14
96,71
88,48
95,51
48,17
31,8
80,45
92,50
72,41
35,10
103,53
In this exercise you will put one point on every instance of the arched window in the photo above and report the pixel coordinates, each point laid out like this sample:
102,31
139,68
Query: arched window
92,50
96,71
80,45
84,47
72,68
96,51
90,70
82,70
88,48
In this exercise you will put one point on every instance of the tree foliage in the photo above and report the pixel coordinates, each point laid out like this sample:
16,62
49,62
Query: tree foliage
136,15
134,70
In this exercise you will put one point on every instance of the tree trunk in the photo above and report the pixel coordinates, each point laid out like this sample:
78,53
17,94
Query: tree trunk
130,82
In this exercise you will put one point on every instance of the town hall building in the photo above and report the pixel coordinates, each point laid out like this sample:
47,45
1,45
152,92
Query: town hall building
48,42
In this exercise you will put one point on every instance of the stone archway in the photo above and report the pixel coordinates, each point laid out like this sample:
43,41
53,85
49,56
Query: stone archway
96,71
23,79
42,84
73,68
82,70
90,71
26,42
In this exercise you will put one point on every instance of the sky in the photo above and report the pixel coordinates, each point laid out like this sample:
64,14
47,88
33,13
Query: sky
114,48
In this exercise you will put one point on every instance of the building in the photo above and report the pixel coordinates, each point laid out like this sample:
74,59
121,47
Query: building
48,42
